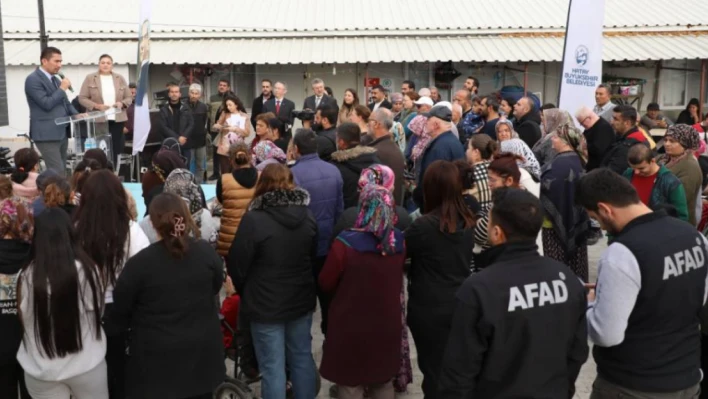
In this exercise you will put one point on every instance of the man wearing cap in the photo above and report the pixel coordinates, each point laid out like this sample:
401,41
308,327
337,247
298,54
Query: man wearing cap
417,126
443,145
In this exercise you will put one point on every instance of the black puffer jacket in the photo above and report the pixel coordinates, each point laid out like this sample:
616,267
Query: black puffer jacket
529,128
350,163
13,254
270,260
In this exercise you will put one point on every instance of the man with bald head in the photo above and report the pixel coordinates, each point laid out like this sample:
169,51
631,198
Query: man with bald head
599,136
529,121
380,123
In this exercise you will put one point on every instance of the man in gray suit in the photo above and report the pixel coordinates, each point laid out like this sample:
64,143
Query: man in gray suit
47,100
320,97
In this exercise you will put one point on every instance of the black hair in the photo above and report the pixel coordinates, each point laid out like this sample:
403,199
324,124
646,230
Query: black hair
232,97
275,123
329,91
48,52
410,83
172,84
693,101
517,212
639,153
306,141
548,106
510,100
103,223
380,88
653,107
349,133
493,102
105,56
475,80
25,161
132,85
267,80
466,174
627,113
227,81
329,112
604,185
58,294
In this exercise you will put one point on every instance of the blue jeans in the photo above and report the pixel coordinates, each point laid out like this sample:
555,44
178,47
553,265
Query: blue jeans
274,343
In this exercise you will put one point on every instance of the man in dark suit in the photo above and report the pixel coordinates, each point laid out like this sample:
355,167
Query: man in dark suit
379,95
177,120
47,100
320,98
259,102
281,107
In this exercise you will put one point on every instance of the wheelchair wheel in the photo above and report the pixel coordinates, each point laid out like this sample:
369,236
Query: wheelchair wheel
230,390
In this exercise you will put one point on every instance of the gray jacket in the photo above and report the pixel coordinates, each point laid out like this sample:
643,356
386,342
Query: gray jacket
46,103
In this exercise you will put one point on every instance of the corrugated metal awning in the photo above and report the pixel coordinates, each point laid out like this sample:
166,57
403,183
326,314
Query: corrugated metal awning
79,18
318,50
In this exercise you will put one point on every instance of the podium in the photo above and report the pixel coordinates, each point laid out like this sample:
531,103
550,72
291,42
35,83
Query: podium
88,131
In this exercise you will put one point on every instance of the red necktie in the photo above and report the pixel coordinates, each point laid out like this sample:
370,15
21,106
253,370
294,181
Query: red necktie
277,107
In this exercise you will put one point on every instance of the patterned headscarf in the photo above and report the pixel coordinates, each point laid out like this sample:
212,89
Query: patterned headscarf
554,118
181,183
419,127
380,175
520,148
572,136
265,150
377,215
16,220
686,135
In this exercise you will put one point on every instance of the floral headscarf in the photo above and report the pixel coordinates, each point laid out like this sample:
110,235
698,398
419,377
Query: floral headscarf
687,136
181,183
16,220
377,215
520,148
380,175
419,127
265,150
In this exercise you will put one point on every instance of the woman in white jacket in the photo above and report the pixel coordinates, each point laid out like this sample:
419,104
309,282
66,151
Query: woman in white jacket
60,300
107,233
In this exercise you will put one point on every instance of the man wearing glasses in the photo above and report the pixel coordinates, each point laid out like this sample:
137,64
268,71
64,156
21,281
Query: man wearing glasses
599,136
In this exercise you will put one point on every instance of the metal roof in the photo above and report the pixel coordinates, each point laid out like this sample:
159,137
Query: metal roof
77,18
362,49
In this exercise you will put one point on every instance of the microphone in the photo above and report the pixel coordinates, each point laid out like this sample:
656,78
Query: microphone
61,75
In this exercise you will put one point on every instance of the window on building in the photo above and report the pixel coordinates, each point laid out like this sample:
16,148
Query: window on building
419,73
241,78
673,83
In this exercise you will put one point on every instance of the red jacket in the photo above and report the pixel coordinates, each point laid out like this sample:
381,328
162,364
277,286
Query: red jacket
363,344
230,311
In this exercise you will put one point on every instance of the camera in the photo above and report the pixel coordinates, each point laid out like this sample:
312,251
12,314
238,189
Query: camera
304,115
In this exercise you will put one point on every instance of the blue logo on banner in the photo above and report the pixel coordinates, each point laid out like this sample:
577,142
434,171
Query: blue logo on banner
581,55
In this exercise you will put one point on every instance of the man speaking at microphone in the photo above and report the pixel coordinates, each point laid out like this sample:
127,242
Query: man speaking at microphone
47,100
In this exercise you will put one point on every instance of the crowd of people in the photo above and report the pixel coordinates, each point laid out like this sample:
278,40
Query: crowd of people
466,224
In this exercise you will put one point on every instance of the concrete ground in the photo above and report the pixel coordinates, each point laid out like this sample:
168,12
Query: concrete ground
583,384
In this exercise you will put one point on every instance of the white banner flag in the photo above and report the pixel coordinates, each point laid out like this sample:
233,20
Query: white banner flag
141,129
582,54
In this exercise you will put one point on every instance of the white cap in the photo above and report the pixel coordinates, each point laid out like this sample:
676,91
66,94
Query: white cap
425,100
445,104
